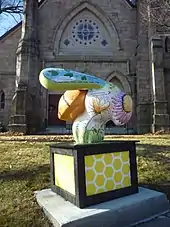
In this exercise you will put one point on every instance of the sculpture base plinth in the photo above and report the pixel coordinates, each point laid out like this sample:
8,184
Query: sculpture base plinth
89,174
127,211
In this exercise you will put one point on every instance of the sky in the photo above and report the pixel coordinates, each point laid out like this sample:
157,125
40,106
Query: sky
7,22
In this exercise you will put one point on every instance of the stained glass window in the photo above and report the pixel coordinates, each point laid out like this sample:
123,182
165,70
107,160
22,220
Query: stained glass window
104,42
66,42
85,31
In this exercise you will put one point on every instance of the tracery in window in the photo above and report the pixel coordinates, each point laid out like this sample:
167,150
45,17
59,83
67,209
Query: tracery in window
85,31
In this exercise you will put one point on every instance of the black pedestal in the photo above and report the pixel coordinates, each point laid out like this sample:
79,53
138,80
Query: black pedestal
89,174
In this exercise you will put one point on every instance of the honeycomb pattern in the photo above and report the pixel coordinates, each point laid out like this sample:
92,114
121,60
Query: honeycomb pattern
107,172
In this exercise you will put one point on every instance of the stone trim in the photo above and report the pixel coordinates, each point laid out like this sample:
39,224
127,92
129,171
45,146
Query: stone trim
123,80
11,31
85,58
3,73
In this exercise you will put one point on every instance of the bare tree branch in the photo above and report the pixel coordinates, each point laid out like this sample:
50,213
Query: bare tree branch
159,12
11,12
13,17
11,6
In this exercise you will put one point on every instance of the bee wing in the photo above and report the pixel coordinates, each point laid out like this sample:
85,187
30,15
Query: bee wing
60,79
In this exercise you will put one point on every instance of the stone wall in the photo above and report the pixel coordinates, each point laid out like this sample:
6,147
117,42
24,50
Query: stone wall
8,46
143,79
167,88
7,84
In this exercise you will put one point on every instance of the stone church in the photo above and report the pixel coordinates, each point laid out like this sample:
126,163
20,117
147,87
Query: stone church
105,38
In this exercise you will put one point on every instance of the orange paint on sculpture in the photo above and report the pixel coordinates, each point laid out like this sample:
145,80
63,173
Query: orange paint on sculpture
71,105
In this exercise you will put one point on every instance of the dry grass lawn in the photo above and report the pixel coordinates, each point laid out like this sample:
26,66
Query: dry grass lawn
24,168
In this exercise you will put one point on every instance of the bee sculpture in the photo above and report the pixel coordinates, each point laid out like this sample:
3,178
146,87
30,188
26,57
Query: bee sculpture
89,102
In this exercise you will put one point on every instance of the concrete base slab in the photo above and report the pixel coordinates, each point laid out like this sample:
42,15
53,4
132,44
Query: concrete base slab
125,211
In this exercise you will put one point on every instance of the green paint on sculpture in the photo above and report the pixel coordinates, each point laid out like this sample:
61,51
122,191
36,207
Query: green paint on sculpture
53,72
83,78
101,103
68,74
93,136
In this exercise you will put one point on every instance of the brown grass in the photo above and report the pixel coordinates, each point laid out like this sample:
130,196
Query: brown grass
24,168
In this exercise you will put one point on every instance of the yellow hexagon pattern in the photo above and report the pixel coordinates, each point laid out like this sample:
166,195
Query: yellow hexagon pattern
107,172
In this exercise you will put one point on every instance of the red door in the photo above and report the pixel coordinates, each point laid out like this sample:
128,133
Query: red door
53,119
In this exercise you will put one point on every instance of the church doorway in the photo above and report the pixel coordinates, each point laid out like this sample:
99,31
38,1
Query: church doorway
53,119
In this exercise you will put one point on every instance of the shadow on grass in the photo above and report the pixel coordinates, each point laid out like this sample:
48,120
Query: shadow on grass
18,204
155,152
48,139
23,174
159,155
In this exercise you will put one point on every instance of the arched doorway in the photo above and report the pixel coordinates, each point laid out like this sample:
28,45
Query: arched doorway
53,120
120,80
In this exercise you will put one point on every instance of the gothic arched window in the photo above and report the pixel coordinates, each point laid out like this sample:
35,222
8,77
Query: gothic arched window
87,33
2,99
